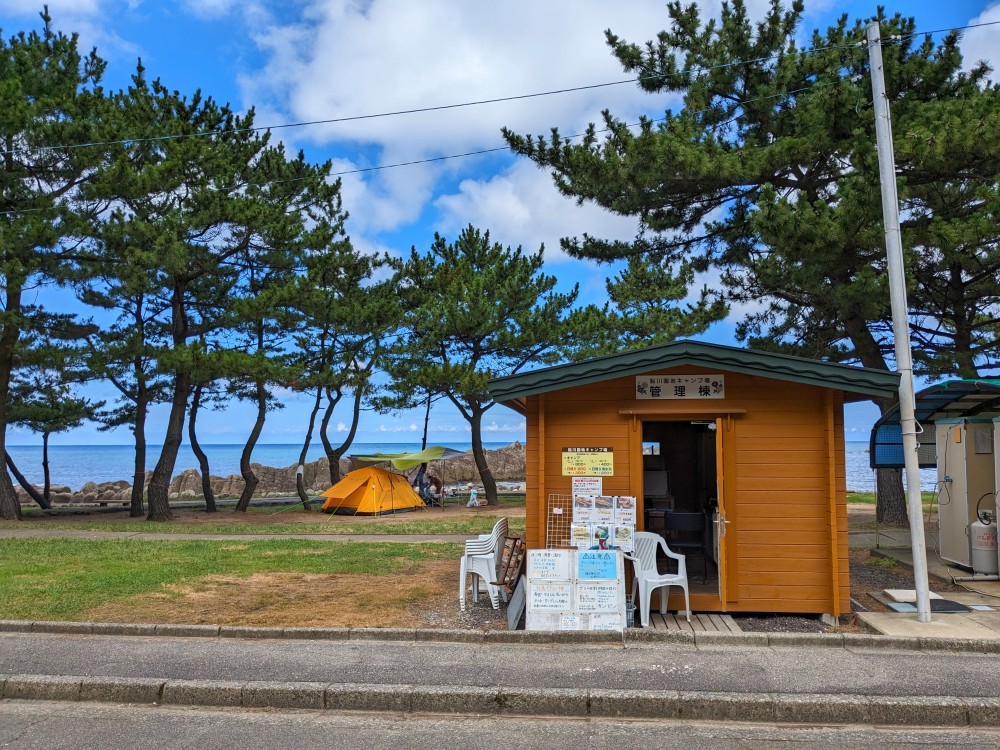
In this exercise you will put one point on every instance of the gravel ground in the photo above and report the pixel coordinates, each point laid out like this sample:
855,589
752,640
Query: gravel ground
869,573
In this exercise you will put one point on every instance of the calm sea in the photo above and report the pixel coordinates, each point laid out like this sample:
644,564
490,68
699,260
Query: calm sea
75,465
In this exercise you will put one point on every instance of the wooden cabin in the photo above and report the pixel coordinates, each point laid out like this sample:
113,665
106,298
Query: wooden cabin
753,441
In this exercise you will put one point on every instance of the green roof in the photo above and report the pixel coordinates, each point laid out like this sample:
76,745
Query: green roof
860,380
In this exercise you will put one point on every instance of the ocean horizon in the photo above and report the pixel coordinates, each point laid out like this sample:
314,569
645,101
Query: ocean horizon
75,465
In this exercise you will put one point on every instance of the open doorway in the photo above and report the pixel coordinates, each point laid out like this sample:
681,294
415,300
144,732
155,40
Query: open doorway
680,494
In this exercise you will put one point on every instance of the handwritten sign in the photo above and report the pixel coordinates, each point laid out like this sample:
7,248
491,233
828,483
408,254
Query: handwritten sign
550,597
606,622
680,387
590,597
571,622
597,597
548,564
588,462
597,565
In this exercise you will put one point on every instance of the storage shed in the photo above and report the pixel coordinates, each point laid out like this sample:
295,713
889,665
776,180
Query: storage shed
752,441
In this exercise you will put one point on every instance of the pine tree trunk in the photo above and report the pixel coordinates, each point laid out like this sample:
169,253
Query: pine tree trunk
159,483
206,476
46,476
332,458
27,486
10,506
300,481
489,483
250,480
890,504
136,504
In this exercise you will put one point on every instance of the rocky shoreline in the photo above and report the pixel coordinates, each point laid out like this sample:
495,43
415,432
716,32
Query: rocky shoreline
507,465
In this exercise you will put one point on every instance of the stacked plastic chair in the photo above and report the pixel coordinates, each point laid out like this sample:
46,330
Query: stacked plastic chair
481,560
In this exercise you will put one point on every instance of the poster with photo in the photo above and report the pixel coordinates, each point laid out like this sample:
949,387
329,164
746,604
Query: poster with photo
581,535
604,509
583,509
625,510
624,538
602,539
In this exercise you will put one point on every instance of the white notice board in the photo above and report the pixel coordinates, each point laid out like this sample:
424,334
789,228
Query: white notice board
570,589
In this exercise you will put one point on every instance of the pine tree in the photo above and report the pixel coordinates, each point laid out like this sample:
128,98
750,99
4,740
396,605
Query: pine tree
50,100
475,310
767,177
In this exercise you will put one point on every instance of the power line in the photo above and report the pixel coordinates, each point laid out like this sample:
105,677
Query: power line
417,110
497,149
457,105
429,160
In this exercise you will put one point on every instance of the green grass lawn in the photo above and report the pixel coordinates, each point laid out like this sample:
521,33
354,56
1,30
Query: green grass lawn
868,498
58,579
420,524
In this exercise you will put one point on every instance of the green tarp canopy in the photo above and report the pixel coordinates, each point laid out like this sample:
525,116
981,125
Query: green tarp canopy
403,461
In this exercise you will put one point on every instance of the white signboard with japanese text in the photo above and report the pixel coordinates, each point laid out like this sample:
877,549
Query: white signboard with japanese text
590,597
549,565
590,486
680,387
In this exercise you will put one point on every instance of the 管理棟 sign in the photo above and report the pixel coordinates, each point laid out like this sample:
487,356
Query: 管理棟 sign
680,387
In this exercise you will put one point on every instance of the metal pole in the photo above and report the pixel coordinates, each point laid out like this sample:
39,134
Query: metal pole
900,320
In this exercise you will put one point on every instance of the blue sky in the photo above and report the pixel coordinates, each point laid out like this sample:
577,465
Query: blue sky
322,59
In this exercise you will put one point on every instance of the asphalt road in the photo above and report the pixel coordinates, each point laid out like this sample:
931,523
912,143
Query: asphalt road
645,666
27,725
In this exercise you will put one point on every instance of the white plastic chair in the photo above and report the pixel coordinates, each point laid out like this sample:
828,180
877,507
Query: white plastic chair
481,559
648,578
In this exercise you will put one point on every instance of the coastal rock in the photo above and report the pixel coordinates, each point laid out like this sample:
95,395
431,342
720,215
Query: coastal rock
507,465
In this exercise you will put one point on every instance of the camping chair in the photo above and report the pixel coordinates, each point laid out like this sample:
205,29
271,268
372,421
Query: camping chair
481,559
688,532
648,578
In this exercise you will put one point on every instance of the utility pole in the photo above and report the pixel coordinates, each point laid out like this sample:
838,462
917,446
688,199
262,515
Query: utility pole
900,320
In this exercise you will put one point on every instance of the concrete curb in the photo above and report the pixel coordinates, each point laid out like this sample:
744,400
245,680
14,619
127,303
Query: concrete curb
632,637
500,701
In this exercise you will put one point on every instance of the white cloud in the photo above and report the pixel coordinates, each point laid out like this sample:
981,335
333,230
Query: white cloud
398,427
981,44
344,59
504,427
87,18
521,206
210,8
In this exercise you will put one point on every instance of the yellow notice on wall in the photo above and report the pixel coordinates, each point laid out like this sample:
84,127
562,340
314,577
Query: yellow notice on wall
588,462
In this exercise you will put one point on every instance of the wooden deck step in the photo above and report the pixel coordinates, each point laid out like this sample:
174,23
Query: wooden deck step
700,623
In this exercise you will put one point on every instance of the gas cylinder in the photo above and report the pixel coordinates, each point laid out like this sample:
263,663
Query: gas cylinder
983,538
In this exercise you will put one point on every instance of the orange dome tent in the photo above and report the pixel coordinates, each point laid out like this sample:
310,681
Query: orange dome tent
371,491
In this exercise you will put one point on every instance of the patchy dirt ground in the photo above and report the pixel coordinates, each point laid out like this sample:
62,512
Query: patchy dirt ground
427,599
